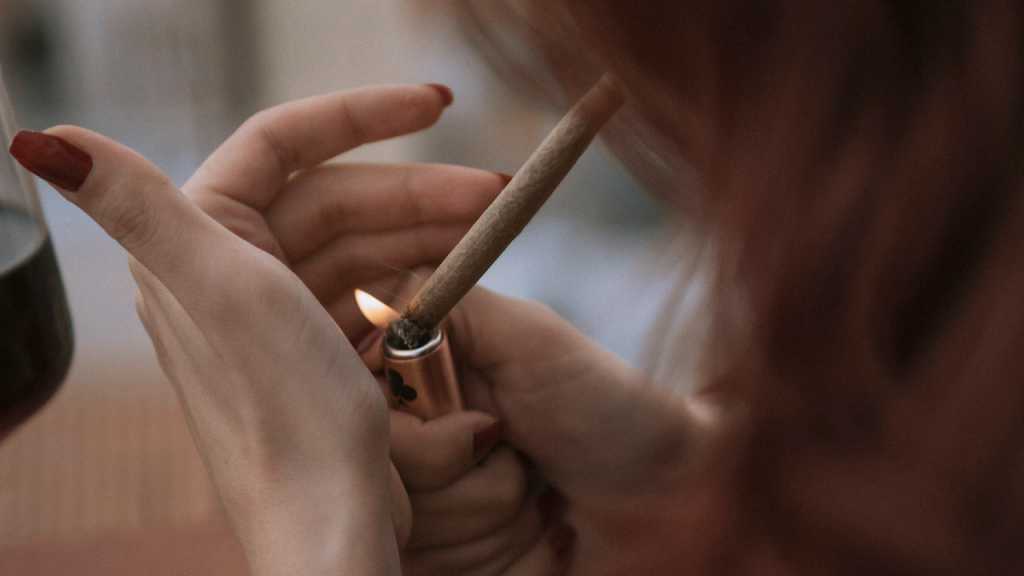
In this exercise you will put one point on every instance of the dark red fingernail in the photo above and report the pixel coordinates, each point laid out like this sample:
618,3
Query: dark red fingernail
53,159
562,540
369,340
505,178
552,506
447,96
485,438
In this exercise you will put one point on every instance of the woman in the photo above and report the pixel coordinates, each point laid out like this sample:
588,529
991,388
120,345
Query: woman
860,186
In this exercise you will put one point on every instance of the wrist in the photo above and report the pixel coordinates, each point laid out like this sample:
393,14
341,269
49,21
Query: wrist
327,523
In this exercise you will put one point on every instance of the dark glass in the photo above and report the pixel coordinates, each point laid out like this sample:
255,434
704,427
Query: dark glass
35,327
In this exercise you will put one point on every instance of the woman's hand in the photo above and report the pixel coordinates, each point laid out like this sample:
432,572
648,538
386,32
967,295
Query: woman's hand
477,508
291,425
342,226
623,450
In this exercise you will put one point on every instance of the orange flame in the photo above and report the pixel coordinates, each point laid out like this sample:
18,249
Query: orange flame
377,312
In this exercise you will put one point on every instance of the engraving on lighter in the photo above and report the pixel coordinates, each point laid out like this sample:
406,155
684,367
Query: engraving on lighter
422,381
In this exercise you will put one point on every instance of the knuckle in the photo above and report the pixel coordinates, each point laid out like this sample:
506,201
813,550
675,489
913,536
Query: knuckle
261,127
351,122
256,123
413,196
128,221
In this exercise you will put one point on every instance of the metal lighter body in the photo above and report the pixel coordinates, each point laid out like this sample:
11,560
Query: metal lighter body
422,381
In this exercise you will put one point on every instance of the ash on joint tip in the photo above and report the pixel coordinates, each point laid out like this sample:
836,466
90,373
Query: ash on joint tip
404,335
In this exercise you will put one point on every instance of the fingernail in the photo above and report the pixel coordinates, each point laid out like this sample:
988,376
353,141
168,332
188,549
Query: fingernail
485,438
562,540
447,96
53,159
505,178
552,506
369,340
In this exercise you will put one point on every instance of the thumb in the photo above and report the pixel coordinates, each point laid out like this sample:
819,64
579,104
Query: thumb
434,453
569,405
129,197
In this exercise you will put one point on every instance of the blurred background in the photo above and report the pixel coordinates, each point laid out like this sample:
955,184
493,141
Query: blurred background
105,479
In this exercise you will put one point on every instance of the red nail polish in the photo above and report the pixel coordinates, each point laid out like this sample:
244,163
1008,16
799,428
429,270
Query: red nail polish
552,506
447,96
485,438
53,159
562,540
369,340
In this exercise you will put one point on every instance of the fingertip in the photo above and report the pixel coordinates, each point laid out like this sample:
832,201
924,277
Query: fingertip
52,158
102,177
486,437
431,454
447,96
134,202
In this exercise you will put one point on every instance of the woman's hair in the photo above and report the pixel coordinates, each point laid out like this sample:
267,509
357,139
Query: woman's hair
861,168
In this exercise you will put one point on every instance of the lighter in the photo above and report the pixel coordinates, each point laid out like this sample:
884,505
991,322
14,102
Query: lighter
421,379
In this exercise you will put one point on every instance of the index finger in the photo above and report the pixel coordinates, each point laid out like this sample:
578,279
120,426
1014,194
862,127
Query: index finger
252,165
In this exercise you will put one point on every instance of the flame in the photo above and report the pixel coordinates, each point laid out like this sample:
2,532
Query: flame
377,312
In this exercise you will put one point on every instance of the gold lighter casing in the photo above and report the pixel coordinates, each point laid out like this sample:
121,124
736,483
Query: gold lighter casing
422,381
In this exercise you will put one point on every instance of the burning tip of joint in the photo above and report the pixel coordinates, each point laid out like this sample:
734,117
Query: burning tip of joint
405,335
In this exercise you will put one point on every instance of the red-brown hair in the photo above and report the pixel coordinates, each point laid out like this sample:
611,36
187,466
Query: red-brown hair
861,170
